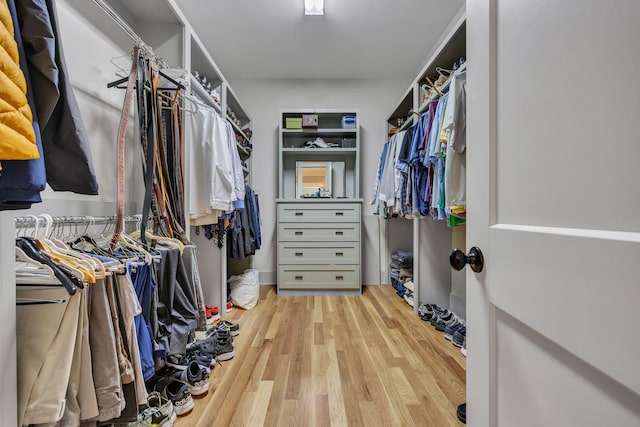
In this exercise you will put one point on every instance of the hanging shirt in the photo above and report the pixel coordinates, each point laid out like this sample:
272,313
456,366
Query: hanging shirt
387,190
381,162
455,162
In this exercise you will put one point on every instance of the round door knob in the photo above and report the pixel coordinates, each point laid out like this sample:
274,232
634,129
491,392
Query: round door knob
458,259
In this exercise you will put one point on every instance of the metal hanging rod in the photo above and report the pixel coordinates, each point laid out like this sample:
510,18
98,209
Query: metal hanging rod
32,220
127,29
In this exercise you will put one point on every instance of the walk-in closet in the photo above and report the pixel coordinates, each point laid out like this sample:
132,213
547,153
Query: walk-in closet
319,213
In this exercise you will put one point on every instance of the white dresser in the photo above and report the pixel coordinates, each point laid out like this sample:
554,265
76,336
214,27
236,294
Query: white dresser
319,246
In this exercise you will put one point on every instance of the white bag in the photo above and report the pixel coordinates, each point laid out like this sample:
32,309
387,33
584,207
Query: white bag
245,289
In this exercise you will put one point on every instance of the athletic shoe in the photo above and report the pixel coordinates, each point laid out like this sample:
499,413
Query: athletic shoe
177,392
229,306
212,314
452,328
155,400
203,360
445,321
461,413
425,311
195,377
218,350
459,336
151,417
225,325
441,315
408,298
463,350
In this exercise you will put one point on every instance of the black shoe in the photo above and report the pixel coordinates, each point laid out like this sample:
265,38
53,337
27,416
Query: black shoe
462,413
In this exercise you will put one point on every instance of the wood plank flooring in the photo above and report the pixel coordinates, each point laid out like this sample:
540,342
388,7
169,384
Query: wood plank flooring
334,361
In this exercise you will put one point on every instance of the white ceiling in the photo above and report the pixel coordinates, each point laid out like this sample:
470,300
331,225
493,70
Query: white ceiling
370,39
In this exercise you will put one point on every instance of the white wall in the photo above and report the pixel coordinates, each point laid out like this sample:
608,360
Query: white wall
265,98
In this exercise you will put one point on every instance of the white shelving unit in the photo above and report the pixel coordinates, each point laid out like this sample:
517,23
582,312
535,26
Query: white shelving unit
163,27
431,240
319,242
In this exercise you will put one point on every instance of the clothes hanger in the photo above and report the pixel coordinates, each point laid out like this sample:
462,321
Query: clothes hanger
68,280
85,268
31,271
38,301
97,266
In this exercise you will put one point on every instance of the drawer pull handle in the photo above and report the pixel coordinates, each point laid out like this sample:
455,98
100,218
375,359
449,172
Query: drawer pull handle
339,213
299,233
339,233
299,254
299,213
299,277
339,277
339,253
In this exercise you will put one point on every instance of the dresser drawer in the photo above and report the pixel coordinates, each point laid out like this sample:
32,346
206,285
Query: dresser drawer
329,253
319,212
312,277
332,232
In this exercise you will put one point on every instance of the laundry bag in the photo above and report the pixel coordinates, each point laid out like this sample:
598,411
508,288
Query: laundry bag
245,289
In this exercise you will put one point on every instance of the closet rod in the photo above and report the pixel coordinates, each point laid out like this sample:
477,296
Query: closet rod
72,220
127,29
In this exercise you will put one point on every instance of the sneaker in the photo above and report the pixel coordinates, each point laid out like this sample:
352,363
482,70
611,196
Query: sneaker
212,313
203,360
425,311
441,315
452,328
408,298
195,377
216,349
177,392
155,400
229,306
463,350
461,413
459,336
445,321
150,417
177,361
225,325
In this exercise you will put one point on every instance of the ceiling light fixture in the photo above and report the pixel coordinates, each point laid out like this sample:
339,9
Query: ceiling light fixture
314,7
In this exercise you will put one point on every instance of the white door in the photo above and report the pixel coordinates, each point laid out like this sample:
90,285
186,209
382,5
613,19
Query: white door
554,203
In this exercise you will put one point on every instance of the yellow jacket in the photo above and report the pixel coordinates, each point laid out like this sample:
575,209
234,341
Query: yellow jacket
17,138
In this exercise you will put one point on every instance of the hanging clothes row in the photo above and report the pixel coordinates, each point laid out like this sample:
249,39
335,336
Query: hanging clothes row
84,353
245,236
216,177
422,169
42,136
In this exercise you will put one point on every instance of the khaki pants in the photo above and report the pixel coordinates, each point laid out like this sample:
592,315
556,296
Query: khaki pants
46,341
106,372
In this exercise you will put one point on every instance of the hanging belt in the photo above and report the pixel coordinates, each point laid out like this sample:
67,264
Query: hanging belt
146,114
122,139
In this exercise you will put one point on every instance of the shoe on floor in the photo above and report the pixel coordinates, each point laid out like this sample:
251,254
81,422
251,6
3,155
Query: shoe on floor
195,377
459,336
461,412
177,392
181,361
157,401
425,311
218,350
452,328
463,350
232,327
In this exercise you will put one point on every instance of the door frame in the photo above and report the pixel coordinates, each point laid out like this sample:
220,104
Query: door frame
481,207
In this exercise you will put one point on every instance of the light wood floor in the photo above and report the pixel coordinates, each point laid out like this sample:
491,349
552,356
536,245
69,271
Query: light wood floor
334,361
